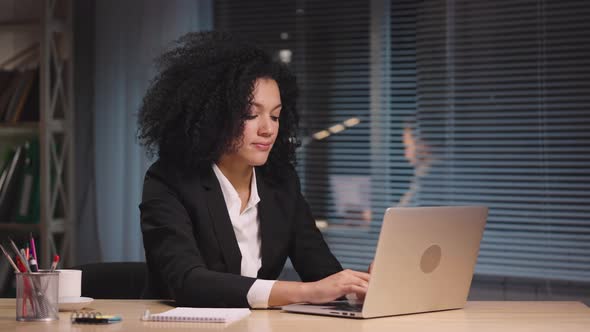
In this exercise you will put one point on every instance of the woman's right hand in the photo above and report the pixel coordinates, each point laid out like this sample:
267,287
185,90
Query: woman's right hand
321,291
335,286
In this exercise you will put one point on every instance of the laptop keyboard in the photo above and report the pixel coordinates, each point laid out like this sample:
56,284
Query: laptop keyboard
346,306
342,306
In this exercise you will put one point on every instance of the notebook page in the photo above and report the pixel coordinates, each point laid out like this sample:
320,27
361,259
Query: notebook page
209,315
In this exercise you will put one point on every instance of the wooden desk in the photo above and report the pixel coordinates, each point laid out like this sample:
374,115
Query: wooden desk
477,316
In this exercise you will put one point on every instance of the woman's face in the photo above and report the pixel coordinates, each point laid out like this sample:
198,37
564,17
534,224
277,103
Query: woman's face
261,127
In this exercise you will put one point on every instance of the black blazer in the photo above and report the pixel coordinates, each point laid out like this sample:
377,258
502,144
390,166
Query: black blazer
191,249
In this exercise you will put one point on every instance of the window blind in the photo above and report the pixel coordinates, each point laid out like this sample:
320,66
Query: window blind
504,114
336,169
441,103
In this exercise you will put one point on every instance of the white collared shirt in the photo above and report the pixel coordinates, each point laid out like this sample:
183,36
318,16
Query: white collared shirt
246,227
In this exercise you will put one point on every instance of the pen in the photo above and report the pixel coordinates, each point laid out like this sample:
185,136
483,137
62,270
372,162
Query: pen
33,246
25,260
9,259
54,264
21,266
33,264
15,248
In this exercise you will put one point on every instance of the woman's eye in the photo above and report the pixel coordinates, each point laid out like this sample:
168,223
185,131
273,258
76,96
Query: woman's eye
250,116
275,118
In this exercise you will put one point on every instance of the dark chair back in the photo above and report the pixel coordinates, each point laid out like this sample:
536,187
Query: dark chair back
117,280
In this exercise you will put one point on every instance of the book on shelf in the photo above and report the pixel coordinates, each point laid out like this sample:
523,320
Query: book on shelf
31,107
19,96
19,184
7,154
21,99
8,82
6,77
9,180
17,92
28,195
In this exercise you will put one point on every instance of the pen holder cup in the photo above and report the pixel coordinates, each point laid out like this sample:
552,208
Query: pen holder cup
37,296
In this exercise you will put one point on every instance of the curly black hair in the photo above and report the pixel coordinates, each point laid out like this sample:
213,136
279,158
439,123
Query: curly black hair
195,107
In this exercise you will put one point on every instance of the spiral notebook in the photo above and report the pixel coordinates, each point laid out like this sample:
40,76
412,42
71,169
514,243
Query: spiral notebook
198,315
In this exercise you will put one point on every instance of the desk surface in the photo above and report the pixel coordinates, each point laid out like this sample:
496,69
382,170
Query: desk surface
476,316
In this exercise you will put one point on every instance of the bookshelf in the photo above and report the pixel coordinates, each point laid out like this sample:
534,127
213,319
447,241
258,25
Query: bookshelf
37,35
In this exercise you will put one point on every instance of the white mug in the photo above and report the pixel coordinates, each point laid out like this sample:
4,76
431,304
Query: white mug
70,283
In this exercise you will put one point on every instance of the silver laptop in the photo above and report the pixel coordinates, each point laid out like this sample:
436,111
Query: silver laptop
424,262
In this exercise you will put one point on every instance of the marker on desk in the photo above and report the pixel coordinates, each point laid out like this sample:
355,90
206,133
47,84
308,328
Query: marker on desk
55,262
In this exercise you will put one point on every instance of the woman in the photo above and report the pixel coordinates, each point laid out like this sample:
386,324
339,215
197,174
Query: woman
222,209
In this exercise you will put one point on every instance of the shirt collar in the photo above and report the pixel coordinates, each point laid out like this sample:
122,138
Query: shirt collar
230,195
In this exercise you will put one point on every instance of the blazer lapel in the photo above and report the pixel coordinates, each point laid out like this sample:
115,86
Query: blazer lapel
221,222
271,225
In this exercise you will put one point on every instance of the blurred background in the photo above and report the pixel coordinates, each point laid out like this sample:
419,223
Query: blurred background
403,103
